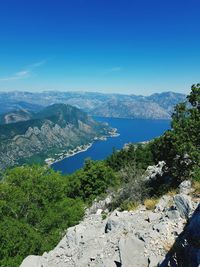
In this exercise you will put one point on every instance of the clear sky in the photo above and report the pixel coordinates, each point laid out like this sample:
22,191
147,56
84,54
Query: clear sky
123,46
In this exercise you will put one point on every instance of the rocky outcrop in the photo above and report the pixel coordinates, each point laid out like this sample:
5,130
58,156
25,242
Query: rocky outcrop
185,187
140,238
155,171
186,250
183,204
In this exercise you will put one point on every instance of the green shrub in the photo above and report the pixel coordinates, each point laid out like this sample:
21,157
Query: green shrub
103,216
139,154
93,180
196,174
180,147
133,188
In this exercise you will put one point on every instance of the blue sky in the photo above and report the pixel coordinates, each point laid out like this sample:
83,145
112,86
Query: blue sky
123,46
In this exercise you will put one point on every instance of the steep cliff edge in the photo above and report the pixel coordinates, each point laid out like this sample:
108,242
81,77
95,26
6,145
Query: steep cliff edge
138,238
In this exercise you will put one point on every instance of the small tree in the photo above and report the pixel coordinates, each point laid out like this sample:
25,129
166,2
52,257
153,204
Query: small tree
180,147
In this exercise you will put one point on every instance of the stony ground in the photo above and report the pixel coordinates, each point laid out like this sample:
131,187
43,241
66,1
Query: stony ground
139,238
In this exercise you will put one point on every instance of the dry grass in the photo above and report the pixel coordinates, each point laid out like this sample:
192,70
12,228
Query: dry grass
196,187
172,193
150,203
132,206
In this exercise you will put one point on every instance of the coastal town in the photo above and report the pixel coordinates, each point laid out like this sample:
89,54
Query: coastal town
82,148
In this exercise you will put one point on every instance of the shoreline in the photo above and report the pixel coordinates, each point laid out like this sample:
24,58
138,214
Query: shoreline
69,153
81,148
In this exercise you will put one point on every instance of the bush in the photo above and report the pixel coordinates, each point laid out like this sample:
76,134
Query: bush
103,216
133,188
93,180
129,205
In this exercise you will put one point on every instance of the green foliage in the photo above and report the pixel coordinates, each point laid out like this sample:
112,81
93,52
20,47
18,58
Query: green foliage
13,241
38,204
35,210
103,216
131,163
194,96
139,154
180,147
94,179
133,188
196,174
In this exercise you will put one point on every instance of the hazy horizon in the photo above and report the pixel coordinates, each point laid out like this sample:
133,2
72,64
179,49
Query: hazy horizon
83,92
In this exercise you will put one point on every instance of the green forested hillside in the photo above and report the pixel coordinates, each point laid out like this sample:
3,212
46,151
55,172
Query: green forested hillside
37,205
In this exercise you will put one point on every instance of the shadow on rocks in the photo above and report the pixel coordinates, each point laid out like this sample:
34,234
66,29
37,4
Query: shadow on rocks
186,250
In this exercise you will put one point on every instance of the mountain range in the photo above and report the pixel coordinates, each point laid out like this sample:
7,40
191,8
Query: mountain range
155,106
27,136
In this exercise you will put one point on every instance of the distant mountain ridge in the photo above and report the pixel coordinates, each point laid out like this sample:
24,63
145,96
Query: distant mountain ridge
155,106
55,129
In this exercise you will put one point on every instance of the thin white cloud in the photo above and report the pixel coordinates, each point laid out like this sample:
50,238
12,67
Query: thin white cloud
37,64
17,76
22,73
113,69
25,73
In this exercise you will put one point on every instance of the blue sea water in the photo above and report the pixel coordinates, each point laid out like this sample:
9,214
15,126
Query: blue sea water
130,130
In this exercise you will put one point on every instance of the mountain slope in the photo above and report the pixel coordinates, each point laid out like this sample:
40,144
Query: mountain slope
167,100
135,238
131,109
55,129
16,116
156,106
